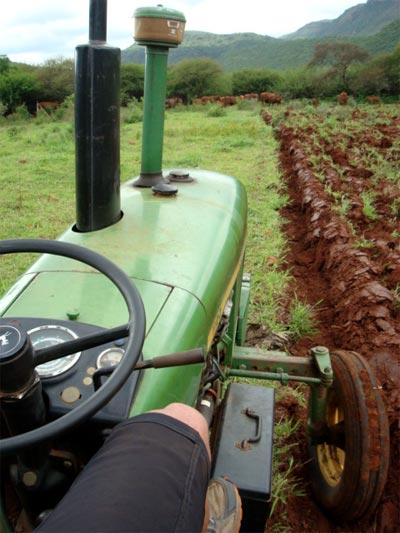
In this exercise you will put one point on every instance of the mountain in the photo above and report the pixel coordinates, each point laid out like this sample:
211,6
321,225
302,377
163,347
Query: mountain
362,19
249,50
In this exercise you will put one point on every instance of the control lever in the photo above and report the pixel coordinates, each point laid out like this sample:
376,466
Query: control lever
190,357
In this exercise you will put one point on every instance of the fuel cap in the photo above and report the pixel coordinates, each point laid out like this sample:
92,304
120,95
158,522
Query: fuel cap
180,176
164,190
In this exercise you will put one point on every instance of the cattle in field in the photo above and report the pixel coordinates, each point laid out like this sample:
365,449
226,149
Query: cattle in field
172,102
205,100
226,101
47,106
343,98
250,96
270,98
373,99
211,99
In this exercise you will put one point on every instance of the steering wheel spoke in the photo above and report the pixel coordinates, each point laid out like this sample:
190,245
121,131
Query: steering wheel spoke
51,353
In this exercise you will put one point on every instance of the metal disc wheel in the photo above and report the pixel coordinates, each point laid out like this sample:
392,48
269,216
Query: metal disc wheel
348,466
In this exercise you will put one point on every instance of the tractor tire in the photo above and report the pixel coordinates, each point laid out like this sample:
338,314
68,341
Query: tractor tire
348,471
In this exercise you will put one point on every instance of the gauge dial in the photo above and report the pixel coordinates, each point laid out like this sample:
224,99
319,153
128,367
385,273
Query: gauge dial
110,357
49,335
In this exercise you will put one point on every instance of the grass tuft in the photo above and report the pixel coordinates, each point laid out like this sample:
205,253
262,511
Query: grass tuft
302,322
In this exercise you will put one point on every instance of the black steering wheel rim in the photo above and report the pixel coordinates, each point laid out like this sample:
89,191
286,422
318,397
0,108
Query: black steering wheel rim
136,326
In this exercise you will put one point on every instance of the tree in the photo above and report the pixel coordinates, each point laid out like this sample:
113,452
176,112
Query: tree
55,79
339,56
391,66
4,64
132,82
298,83
192,78
254,81
17,88
380,76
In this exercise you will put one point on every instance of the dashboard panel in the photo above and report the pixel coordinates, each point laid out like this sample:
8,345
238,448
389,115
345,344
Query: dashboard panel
70,380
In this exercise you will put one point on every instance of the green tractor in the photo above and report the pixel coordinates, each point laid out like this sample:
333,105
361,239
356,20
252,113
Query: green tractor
142,302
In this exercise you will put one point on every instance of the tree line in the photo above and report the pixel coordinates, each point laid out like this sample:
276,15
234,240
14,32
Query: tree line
334,67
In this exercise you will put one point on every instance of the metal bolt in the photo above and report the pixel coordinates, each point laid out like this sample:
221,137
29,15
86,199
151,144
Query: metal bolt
320,349
29,479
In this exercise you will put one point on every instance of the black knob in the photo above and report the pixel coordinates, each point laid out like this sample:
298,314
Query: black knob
16,358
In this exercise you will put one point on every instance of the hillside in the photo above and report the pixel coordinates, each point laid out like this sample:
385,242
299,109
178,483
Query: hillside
362,19
250,50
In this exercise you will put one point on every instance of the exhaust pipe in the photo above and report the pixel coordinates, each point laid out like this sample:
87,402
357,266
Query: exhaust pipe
97,126
158,29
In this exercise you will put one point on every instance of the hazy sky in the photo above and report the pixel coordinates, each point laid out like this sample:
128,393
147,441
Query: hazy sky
32,31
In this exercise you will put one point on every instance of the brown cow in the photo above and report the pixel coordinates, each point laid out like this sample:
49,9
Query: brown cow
373,99
250,96
343,98
172,102
270,98
227,100
47,106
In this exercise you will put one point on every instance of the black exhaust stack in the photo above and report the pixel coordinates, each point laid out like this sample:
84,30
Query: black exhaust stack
97,126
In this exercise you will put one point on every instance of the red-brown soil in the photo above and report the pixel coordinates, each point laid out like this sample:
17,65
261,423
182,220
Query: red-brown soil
344,259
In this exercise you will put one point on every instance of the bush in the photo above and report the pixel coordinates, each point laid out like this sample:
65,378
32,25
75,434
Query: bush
132,82
193,78
381,76
247,105
20,114
133,112
55,78
17,88
255,81
215,110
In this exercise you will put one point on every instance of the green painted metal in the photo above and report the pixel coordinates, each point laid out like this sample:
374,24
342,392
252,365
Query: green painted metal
243,310
182,324
185,254
54,294
159,12
251,362
154,109
257,359
320,355
155,28
319,394
282,377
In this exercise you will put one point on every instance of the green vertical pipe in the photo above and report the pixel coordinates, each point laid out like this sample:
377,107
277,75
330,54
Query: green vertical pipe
155,90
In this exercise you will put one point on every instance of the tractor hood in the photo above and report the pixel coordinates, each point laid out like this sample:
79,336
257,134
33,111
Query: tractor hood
186,249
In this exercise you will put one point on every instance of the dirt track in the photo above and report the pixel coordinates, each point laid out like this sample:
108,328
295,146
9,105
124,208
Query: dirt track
343,228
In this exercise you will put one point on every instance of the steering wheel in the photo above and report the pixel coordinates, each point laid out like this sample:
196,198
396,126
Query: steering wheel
134,330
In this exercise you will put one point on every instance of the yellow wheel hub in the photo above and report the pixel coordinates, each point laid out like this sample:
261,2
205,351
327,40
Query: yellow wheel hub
331,458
